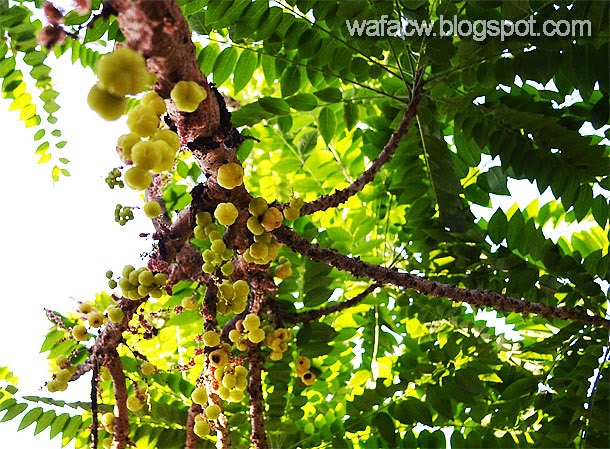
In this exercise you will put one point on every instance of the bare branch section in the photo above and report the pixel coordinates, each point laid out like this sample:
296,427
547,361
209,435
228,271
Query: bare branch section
311,315
94,410
192,440
475,297
158,30
341,196
121,420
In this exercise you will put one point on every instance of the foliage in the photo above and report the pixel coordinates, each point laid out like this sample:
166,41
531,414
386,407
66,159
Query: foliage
399,368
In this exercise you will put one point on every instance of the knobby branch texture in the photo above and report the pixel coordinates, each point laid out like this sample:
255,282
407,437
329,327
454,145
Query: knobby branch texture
475,297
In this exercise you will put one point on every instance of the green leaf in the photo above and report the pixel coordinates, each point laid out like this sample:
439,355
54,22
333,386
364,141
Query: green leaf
276,106
30,417
387,429
290,81
330,95
327,124
302,102
13,411
198,24
497,226
351,114
246,64
44,421
224,64
58,424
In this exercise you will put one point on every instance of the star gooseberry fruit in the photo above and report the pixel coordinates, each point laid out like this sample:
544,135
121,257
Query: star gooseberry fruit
226,213
199,396
138,178
187,95
152,209
212,412
123,72
116,315
134,404
108,106
230,175
79,332
201,429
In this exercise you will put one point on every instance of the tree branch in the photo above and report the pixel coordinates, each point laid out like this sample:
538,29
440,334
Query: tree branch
192,440
121,420
341,196
255,393
475,297
94,411
314,314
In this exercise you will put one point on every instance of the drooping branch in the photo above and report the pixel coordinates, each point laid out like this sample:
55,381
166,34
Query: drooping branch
340,196
475,297
314,314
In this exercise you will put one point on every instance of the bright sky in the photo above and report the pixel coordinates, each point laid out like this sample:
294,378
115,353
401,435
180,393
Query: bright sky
58,240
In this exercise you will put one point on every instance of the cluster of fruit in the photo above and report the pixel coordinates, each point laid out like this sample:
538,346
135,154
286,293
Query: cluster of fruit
217,255
151,156
202,427
284,268
264,219
114,179
303,364
293,210
277,341
247,329
122,214
232,296
232,381
120,73
62,375
136,284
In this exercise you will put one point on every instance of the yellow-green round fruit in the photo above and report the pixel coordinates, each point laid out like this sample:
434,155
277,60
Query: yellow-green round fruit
160,279
297,203
272,219
147,368
169,137
123,72
107,443
85,307
227,269
251,322
125,144
55,385
153,100
189,303
208,268
116,315
234,335
167,153
152,209
254,226
187,95
145,155
291,213
95,319
199,396
226,214
303,364
63,375
241,289
241,383
201,429
236,396
276,356
107,419
146,278
79,332
283,271
142,121
238,305
229,380
241,371
62,360
211,339
218,246
219,358
212,412
230,175
258,206
134,404
259,250
308,378
108,106
137,178
256,335
105,375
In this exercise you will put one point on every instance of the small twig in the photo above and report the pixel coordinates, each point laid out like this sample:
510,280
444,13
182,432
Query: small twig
475,297
314,314
341,196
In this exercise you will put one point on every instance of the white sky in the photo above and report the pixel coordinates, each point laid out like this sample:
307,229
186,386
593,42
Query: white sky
58,240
